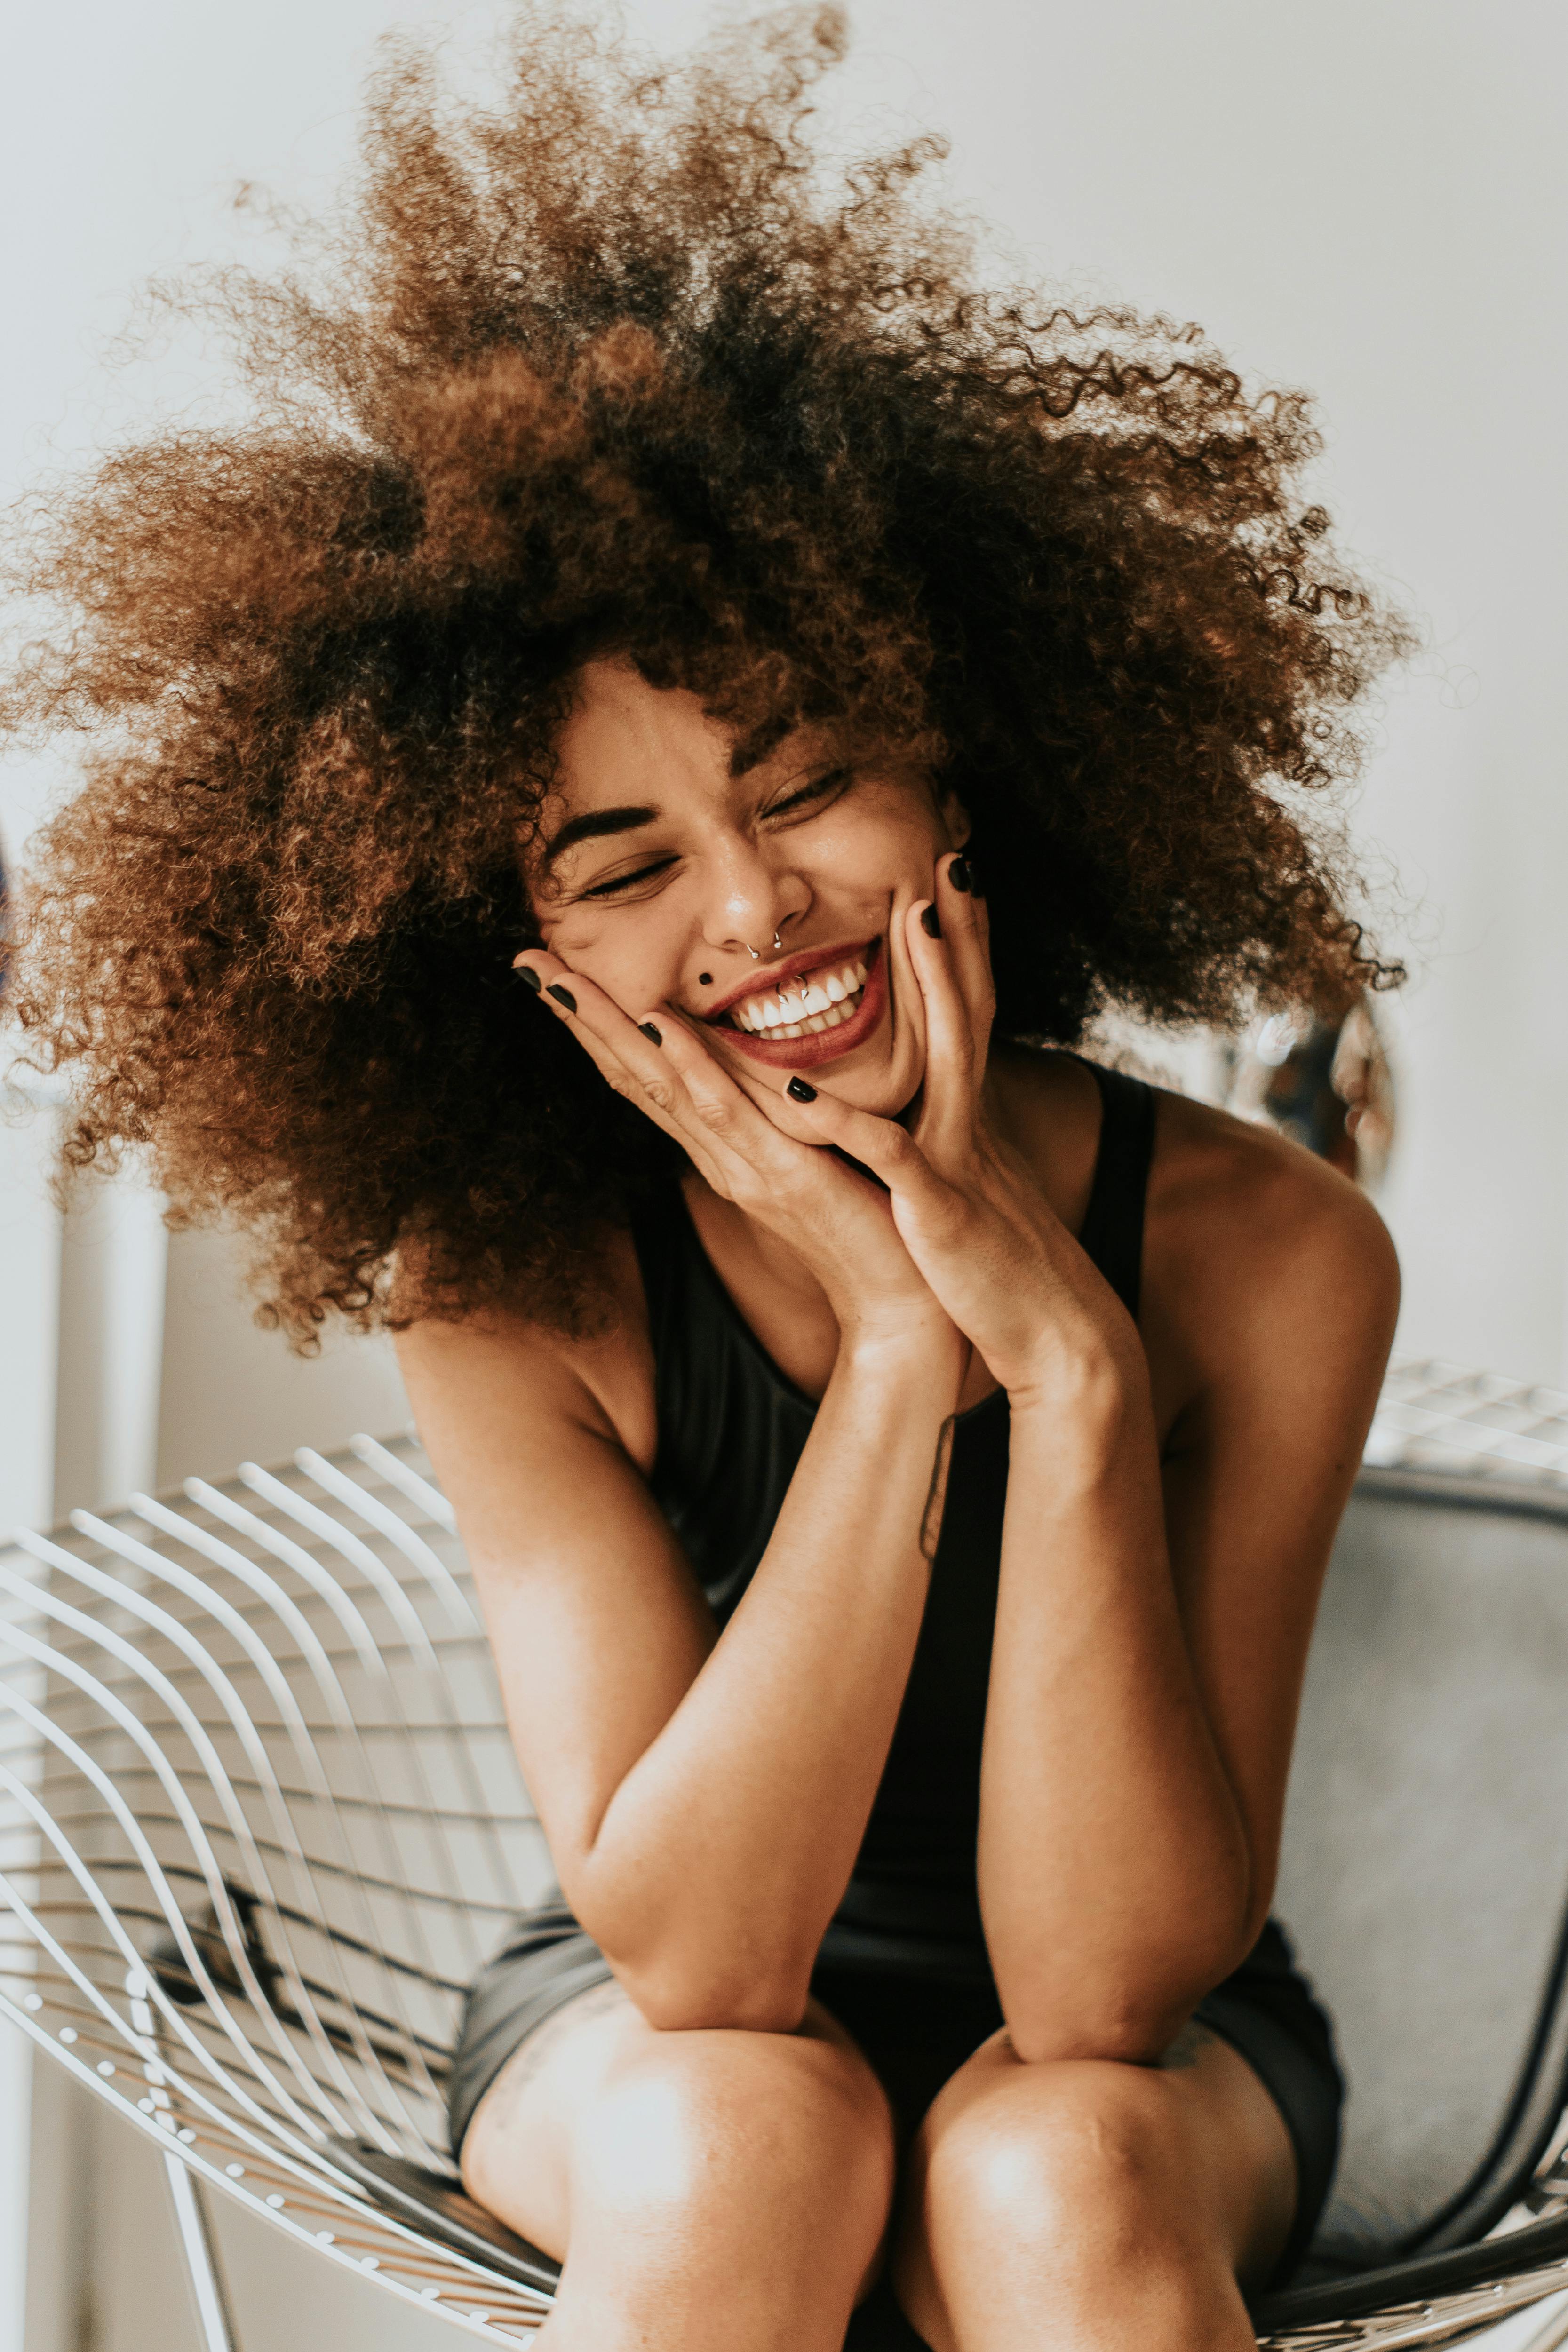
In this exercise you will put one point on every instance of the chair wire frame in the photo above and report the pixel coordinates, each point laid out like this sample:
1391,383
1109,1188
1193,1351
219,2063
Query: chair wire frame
261,1823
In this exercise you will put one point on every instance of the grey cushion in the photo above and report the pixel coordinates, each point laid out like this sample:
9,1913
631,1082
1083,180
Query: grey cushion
1426,1861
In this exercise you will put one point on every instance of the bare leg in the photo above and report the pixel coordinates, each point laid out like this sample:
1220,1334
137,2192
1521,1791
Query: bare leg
711,2191
1088,2206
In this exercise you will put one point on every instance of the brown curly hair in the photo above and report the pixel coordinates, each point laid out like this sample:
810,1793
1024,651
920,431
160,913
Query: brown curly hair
616,364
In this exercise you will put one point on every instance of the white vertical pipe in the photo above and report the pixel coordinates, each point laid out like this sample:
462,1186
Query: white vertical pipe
30,1304
113,1270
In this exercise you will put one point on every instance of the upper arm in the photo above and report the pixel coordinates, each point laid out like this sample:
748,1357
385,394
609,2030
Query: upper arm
1292,1290
597,1625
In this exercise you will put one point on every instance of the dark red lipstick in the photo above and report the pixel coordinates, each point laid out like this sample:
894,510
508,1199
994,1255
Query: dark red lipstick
818,1045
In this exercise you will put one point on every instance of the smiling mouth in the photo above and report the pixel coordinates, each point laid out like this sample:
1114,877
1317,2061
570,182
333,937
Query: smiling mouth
806,1006
814,1016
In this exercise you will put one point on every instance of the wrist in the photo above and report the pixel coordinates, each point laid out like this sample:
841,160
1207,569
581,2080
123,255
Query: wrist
1087,1392
921,1347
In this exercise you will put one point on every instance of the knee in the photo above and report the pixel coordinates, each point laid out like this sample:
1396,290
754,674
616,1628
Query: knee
1082,2160
794,2122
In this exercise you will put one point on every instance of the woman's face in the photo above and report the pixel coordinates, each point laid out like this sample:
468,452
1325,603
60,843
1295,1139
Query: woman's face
656,872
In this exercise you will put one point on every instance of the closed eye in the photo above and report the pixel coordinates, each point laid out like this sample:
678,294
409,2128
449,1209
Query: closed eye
620,882
820,788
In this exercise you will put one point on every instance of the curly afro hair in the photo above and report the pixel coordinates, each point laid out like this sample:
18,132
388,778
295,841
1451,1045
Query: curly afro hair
617,364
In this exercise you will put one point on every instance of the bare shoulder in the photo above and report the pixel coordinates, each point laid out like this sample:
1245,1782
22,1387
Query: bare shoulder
1240,1221
502,1369
1243,1204
1262,1264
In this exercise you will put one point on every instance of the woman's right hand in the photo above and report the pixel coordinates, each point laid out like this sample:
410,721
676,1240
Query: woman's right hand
837,1221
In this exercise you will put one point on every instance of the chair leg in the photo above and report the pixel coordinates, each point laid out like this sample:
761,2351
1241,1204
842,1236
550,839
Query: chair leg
201,2259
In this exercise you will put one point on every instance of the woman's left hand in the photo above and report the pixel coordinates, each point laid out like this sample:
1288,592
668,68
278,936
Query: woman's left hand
968,1206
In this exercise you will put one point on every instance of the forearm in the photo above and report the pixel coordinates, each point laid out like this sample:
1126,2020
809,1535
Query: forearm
1114,1873
723,1852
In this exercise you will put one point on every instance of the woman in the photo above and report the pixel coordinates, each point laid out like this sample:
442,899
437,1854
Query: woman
606,794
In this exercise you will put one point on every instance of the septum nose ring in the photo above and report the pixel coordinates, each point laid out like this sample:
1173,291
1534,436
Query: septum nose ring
756,953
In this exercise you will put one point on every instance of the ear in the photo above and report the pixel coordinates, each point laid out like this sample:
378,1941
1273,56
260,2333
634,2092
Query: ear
955,818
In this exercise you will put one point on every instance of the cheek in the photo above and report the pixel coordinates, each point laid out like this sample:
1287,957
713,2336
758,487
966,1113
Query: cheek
628,960
878,841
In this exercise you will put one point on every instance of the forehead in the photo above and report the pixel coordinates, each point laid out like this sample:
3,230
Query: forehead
626,739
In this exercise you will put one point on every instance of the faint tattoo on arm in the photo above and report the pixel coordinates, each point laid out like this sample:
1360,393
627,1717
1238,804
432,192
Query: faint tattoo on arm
930,1522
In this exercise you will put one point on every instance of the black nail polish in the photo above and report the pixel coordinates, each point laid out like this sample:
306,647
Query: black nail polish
526,971
562,996
958,874
930,924
798,1091
650,1033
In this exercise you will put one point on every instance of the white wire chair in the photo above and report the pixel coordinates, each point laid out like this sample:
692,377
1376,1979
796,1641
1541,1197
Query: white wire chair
260,1823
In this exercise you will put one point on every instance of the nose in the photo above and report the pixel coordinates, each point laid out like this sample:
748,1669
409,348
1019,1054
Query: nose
752,900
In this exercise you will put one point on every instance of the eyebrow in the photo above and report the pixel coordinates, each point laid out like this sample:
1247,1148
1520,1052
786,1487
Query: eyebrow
592,826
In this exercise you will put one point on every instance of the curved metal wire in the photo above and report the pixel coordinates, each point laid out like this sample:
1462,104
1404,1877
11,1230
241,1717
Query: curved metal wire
261,1821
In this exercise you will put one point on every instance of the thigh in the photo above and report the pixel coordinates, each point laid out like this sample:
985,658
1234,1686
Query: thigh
1196,2143
519,2152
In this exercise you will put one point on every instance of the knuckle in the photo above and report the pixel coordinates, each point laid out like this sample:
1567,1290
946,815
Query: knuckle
660,1094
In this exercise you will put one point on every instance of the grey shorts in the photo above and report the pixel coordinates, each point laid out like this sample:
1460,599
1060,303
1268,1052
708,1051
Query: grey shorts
917,2024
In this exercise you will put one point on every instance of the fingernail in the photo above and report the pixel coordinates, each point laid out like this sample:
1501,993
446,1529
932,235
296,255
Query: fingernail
526,971
650,1033
798,1091
958,874
561,996
930,922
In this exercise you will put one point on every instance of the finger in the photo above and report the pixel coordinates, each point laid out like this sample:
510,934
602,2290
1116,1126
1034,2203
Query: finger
966,926
626,1055
658,1063
888,1151
946,1127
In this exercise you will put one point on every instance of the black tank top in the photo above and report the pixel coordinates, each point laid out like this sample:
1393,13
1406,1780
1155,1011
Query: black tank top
732,1428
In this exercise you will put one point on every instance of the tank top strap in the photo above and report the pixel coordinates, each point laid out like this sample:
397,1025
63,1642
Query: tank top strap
1113,1230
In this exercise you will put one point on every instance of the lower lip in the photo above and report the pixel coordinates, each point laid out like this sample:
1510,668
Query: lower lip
819,1045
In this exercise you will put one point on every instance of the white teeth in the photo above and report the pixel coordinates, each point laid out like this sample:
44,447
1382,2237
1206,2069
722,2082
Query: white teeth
802,1009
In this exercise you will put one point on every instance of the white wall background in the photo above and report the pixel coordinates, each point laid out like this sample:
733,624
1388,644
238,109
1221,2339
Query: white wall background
1366,197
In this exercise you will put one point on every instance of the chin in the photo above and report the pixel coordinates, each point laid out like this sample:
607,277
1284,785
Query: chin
882,1094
